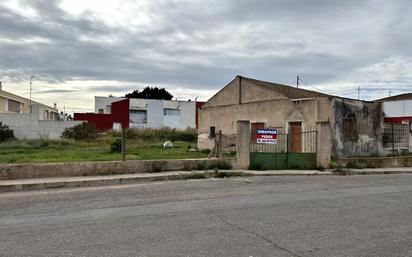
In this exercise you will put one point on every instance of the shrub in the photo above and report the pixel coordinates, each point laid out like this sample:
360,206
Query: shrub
154,135
83,131
5,132
201,165
221,165
116,145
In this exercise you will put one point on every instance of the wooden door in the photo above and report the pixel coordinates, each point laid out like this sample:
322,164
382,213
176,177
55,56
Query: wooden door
256,126
295,136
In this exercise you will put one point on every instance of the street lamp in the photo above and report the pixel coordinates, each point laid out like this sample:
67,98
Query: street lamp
31,81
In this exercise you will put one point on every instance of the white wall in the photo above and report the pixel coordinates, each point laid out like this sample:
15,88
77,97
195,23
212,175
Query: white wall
28,126
401,108
155,114
171,121
187,115
101,102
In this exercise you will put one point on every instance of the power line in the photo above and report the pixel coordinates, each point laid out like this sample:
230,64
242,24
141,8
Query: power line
354,90
309,85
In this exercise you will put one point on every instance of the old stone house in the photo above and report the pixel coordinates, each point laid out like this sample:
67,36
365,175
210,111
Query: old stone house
354,127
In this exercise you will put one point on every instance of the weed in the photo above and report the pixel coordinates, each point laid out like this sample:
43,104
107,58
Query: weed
151,135
205,151
116,145
223,165
353,165
44,143
197,176
157,167
83,131
201,165
341,171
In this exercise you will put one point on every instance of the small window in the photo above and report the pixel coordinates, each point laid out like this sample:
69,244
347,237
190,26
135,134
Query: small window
212,132
101,111
171,112
349,130
13,106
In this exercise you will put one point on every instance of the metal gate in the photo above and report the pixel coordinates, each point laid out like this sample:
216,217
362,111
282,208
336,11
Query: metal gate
395,138
292,151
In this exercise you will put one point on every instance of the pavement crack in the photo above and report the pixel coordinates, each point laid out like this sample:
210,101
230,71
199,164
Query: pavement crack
273,244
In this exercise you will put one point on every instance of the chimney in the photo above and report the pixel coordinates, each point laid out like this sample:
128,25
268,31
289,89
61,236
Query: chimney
1,87
55,106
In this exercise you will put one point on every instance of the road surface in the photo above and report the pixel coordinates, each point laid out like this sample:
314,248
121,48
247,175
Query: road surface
257,216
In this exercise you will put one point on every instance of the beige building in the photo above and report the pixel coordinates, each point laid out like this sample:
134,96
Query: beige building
11,103
355,126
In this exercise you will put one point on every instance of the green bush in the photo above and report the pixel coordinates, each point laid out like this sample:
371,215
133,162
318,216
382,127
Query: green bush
201,166
83,131
116,145
5,132
221,165
154,135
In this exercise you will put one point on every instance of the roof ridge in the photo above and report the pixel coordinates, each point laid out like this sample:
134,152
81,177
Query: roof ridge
269,83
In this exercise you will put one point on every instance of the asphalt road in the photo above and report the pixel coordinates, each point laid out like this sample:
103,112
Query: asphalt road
265,216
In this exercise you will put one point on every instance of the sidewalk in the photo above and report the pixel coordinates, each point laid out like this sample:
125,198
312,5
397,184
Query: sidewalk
59,182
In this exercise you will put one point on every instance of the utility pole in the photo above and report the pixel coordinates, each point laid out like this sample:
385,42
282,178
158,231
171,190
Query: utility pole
297,81
358,92
31,81
123,146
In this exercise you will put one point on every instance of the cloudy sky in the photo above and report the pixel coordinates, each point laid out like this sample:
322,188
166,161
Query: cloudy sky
77,49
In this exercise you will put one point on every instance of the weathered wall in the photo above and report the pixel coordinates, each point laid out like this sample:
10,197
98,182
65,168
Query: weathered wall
229,95
324,144
276,113
3,103
367,125
27,171
243,144
375,162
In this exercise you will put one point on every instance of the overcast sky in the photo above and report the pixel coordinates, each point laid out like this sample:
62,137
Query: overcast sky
77,49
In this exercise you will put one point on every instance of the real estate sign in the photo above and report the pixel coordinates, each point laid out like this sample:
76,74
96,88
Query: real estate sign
266,136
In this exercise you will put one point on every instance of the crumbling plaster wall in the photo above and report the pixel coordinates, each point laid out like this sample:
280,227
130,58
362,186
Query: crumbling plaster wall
367,126
275,113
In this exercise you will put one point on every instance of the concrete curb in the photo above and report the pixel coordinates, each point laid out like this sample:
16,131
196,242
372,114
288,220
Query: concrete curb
50,183
67,182
386,171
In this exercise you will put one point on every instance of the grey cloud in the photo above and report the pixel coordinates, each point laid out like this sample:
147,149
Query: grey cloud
55,91
205,44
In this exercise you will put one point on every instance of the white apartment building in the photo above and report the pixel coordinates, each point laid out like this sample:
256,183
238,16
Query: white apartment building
149,113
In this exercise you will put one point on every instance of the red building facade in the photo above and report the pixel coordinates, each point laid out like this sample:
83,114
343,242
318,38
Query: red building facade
104,122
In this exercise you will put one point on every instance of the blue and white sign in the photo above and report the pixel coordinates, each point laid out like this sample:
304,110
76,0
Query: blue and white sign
267,136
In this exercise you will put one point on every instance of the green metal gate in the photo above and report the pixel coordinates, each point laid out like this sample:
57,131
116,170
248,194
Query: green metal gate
281,156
